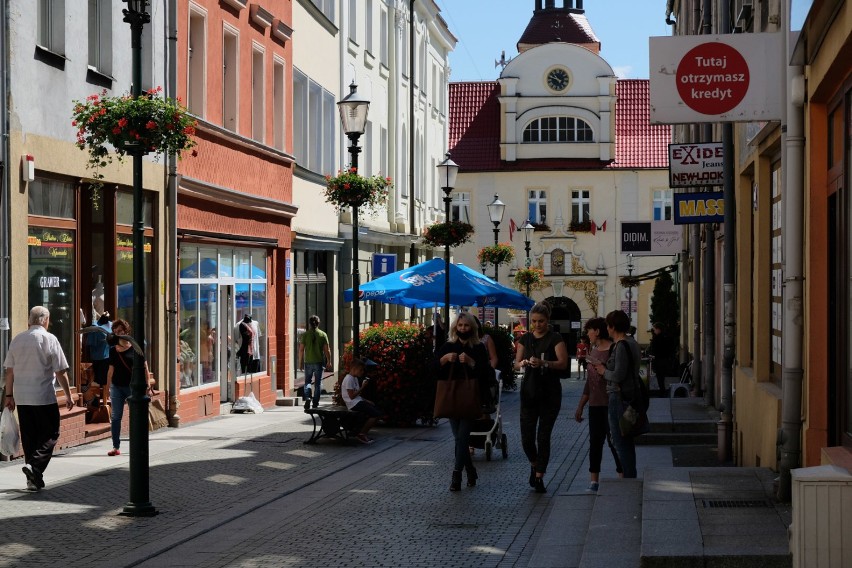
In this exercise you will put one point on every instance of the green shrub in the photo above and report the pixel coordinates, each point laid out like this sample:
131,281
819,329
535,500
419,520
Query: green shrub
402,384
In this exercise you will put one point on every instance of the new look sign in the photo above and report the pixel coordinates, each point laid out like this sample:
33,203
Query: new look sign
693,165
706,78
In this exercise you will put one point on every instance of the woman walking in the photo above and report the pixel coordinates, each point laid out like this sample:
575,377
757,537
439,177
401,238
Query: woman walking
620,368
464,353
119,374
543,357
594,393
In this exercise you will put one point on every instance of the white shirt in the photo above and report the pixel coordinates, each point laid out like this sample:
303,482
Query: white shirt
34,356
350,382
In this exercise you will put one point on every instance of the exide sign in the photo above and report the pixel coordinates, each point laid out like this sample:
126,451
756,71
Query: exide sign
692,165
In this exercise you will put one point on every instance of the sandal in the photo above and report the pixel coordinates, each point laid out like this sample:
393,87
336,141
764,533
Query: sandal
114,452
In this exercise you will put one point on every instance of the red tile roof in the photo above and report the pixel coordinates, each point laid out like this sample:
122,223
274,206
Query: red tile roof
638,143
558,25
475,131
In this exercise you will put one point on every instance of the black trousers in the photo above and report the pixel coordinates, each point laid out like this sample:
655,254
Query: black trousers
598,434
39,434
538,417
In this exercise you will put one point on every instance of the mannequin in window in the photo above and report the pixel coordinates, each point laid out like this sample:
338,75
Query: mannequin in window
249,351
98,298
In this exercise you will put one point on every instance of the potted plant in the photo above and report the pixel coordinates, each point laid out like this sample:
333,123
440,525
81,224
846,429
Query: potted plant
348,189
629,282
451,233
580,226
532,277
115,126
502,253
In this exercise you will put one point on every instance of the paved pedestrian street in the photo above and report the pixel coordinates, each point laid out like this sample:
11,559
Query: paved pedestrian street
244,490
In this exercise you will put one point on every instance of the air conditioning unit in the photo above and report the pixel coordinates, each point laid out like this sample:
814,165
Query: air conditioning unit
822,517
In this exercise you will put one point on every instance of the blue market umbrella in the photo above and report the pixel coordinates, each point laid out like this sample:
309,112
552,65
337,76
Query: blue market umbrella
422,286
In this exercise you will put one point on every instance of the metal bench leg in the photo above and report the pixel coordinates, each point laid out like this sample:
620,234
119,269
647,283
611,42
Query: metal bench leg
317,432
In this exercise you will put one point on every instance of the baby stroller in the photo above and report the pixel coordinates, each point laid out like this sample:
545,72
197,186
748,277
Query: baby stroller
487,432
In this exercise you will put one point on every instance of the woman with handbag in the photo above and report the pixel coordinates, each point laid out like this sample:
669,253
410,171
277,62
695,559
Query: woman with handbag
464,378
543,357
119,374
620,371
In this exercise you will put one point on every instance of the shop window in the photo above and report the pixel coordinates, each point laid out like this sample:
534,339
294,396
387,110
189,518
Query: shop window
310,269
51,198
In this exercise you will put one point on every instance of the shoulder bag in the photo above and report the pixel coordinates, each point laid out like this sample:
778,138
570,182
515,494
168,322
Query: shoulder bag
457,396
634,418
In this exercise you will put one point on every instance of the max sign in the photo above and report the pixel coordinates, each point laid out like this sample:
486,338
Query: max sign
693,165
707,78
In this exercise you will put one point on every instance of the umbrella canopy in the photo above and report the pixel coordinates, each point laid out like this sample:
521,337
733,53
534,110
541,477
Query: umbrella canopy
422,286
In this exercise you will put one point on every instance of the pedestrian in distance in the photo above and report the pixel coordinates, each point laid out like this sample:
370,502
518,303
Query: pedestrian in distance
122,357
582,353
34,359
594,393
314,355
351,387
543,357
464,353
619,374
663,352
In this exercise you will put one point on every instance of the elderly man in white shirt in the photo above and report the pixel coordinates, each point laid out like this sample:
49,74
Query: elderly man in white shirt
34,358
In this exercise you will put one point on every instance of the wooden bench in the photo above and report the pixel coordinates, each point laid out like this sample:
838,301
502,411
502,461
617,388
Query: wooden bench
334,422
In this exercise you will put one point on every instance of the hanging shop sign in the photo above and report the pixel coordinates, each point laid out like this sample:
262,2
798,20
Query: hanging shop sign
704,207
694,165
706,78
651,238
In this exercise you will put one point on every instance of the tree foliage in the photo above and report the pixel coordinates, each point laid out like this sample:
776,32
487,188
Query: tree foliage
665,304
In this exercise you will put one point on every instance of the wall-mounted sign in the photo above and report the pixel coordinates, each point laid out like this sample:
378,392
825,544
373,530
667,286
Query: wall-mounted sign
383,264
704,207
693,165
706,78
651,238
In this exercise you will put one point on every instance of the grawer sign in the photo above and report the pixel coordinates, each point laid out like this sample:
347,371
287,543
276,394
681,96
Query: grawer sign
692,165
708,78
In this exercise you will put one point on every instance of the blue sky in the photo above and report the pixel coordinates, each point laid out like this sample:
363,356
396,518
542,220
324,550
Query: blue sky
484,28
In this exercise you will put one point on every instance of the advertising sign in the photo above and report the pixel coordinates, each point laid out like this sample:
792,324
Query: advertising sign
705,207
692,165
651,238
707,78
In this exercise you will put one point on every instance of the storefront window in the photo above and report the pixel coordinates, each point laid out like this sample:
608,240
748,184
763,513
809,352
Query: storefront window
51,283
311,294
223,317
124,281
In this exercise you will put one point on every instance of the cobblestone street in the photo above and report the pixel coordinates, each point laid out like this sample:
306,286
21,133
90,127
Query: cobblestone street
243,490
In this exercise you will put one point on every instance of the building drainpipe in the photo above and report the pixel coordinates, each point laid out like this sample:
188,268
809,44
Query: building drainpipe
709,367
792,143
171,191
725,425
5,192
412,223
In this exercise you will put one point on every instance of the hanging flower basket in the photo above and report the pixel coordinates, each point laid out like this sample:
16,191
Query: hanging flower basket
117,126
452,233
532,277
629,282
348,189
502,253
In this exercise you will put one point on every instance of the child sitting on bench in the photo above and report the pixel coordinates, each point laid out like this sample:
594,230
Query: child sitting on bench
350,391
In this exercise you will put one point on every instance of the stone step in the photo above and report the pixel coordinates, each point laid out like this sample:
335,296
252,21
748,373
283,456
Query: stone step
614,536
676,438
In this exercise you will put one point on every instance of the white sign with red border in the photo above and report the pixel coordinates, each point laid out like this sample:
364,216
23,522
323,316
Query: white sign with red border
707,78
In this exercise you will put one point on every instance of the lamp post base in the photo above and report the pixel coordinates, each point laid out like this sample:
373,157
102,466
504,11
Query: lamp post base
139,510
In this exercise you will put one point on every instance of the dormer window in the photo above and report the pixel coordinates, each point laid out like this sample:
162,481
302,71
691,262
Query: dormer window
558,129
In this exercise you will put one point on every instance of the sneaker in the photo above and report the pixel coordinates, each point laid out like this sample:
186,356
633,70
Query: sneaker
114,452
593,486
32,476
32,486
363,439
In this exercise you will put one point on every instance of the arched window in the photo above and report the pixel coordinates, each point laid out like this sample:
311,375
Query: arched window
558,129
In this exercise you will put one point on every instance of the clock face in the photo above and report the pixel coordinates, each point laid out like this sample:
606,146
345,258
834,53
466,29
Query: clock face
558,79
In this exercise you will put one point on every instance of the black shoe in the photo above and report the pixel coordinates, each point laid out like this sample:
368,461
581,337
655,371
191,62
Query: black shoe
471,476
33,477
539,485
532,476
455,484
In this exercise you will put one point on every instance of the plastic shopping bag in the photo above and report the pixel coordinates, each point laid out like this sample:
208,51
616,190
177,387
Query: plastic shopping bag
10,437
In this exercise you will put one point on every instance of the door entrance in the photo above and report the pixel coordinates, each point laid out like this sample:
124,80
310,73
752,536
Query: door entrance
565,318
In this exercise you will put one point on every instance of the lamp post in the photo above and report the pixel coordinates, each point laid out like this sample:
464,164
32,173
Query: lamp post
447,172
353,116
495,211
139,504
630,288
528,228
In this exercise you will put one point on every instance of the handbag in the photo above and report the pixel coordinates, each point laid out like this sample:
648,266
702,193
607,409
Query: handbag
457,397
634,417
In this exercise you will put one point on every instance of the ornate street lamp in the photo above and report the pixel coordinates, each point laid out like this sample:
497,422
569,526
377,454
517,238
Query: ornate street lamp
139,504
447,172
495,211
528,228
353,116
